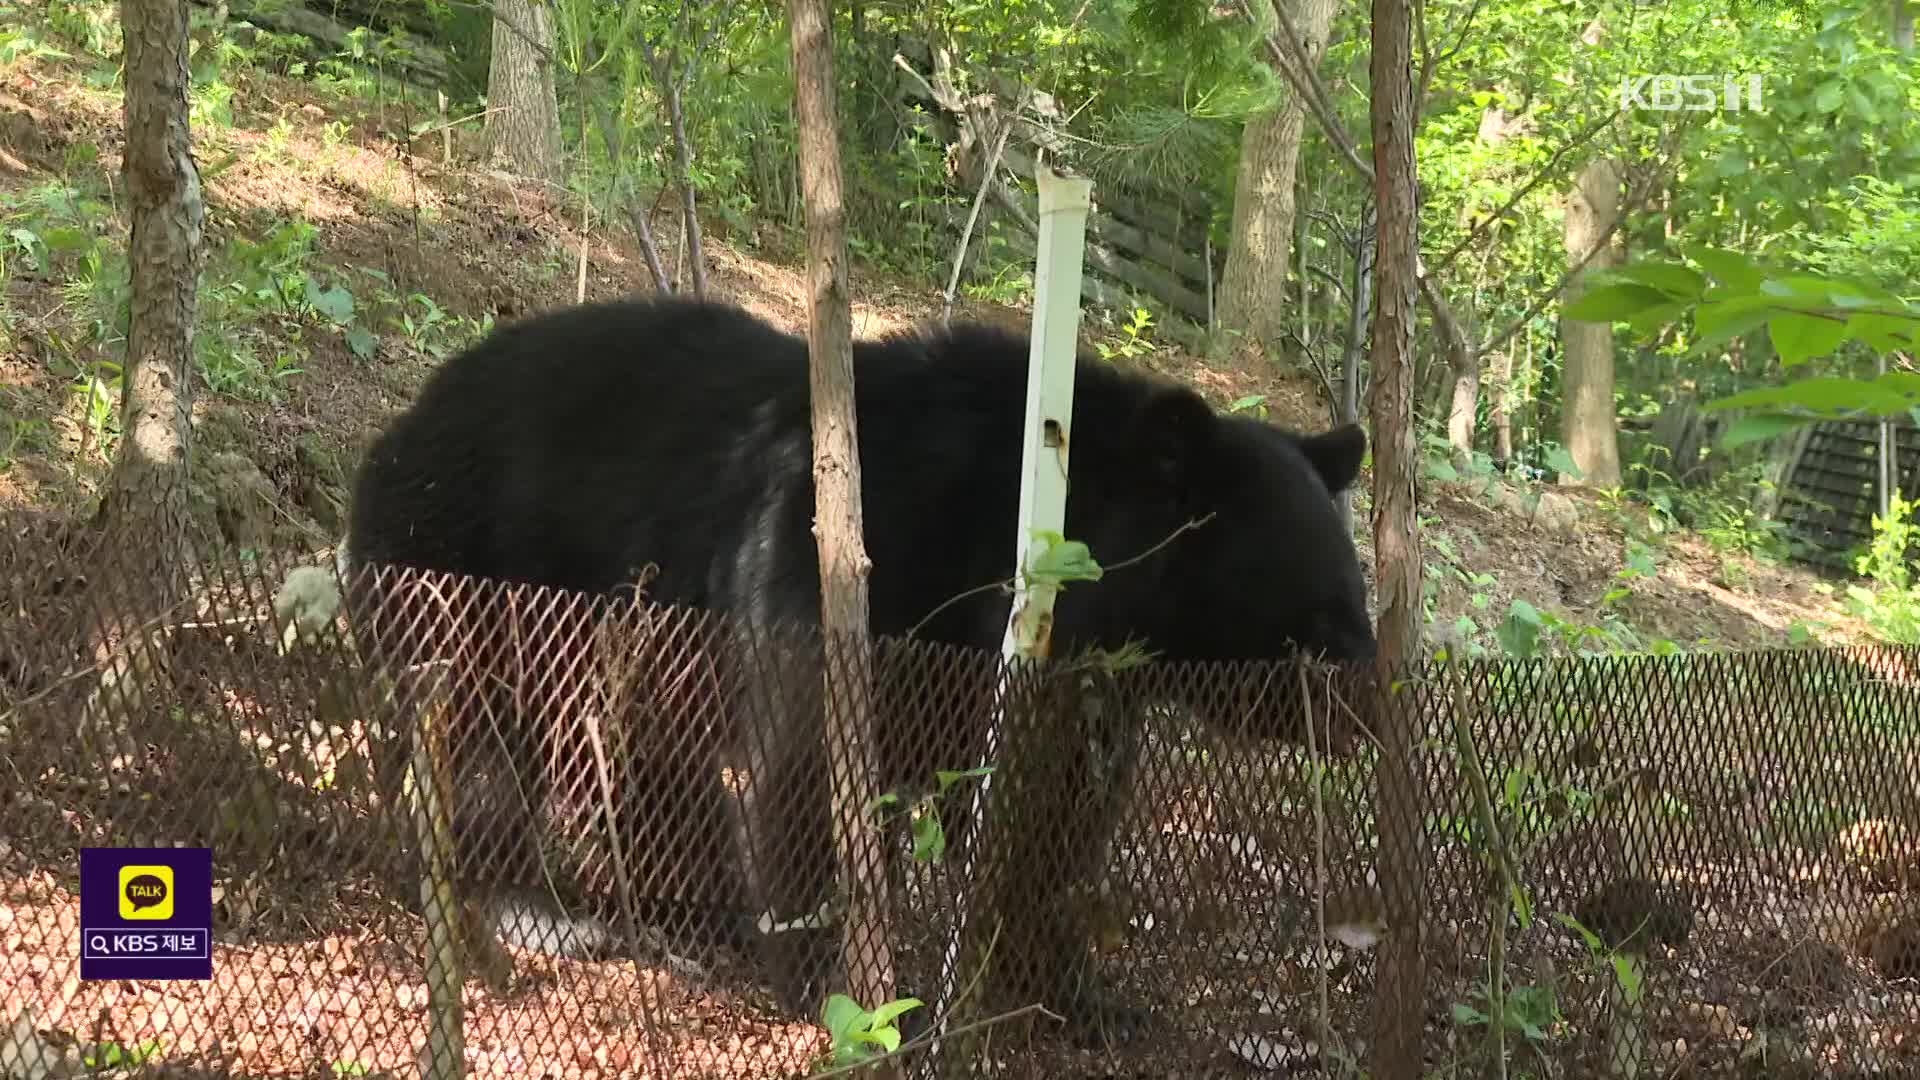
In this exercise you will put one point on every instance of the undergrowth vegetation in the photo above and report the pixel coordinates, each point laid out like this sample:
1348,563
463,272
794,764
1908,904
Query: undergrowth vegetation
295,307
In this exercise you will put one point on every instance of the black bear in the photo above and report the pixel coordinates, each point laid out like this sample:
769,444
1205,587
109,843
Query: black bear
587,447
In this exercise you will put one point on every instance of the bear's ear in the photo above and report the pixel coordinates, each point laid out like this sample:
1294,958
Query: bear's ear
1336,455
1175,424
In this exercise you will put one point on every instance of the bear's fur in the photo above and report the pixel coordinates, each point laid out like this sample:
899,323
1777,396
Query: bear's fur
588,446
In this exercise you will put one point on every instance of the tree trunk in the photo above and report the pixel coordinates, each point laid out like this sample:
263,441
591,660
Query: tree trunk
1465,407
683,168
1588,426
1400,985
1502,410
837,516
147,544
1361,251
523,130
1902,26
1463,366
146,498
1463,346
1253,289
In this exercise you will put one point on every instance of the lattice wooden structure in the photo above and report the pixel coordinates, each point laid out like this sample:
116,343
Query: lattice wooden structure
1828,495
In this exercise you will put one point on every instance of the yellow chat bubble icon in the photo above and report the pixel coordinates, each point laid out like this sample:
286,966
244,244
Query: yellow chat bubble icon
146,892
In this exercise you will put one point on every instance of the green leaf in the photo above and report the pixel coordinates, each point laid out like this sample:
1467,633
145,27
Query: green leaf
1641,564
1658,316
1898,384
1730,268
1560,461
885,1014
335,304
1467,1016
1520,634
1757,427
1867,103
949,777
1612,303
1807,289
1522,905
929,839
887,1039
1799,338
1826,396
65,238
841,1016
1883,333
1669,277
1062,560
1724,320
360,341
1627,971
1828,97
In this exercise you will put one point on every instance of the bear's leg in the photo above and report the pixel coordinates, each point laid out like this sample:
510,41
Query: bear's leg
788,832
1057,800
680,849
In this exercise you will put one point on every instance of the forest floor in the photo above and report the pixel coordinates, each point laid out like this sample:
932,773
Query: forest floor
343,268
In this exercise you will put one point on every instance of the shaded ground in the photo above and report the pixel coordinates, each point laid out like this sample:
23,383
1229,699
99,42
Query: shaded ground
1794,965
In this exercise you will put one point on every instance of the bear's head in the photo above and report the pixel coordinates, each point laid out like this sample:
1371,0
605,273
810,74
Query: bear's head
1265,571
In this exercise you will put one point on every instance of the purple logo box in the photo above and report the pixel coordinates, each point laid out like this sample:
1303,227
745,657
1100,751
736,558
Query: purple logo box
146,913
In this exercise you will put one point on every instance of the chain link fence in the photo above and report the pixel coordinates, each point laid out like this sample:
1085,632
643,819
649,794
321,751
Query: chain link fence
518,832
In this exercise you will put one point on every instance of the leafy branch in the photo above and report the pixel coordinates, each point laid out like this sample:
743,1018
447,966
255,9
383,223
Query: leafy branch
1806,316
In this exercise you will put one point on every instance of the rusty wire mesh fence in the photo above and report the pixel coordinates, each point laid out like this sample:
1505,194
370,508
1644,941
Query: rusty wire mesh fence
607,825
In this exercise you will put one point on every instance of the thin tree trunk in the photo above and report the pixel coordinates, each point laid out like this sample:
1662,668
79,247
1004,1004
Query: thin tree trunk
683,165
1463,346
146,498
523,129
615,140
1903,26
1588,426
1361,249
1464,409
1252,296
844,565
147,537
1502,411
1463,367
1400,986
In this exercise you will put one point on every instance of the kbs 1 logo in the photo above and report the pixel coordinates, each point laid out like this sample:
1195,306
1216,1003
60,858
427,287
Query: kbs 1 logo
1692,93
146,913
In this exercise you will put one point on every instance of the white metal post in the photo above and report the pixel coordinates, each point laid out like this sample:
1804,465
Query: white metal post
1887,475
1046,439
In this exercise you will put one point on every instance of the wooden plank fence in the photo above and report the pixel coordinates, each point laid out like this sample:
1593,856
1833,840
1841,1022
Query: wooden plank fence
1148,249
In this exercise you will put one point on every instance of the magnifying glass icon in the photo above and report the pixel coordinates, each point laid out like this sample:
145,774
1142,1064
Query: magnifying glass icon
97,943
